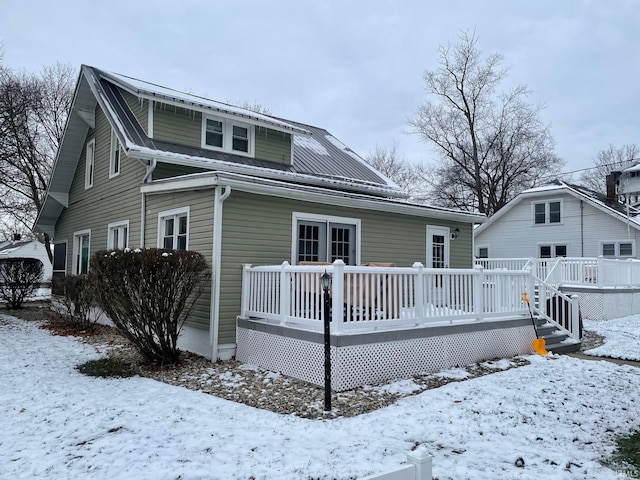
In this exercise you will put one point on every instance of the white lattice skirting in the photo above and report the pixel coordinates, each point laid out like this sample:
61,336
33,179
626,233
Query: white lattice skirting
370,358
606,303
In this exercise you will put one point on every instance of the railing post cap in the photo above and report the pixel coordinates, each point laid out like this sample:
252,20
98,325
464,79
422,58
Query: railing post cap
338,262
418,265
285,263
420,456
478,267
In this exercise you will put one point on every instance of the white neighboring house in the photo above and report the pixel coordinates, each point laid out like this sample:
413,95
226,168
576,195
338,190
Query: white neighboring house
557,220
28,249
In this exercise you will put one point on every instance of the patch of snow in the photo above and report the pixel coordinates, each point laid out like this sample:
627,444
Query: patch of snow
310,144
561,416
622,337
502,364
406,386
454,373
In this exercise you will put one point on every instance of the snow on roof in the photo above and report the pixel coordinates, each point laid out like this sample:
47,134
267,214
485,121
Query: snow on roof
142,87
311,144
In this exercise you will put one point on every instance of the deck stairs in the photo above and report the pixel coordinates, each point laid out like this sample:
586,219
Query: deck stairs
556,340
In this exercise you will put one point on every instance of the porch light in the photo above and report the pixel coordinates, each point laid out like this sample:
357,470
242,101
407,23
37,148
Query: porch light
326,282
455,233
326,285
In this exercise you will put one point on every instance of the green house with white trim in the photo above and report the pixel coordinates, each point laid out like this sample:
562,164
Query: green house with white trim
142,165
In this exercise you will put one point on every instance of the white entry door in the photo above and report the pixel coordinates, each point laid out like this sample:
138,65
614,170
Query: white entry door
437,246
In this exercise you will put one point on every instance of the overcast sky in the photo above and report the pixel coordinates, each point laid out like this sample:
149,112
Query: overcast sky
354,68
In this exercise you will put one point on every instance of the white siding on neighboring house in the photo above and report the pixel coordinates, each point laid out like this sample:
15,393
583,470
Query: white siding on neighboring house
32,249
582,229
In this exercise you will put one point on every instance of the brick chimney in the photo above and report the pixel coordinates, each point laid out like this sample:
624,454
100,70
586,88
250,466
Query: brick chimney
612,187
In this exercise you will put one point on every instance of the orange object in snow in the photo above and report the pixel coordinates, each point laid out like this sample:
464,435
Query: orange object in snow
539,343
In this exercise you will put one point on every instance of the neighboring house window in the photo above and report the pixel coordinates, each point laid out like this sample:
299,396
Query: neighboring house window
483,252
118,235
228,135
114,158
551,251
89,163
547,212
173,229
325,239
81,244
618,249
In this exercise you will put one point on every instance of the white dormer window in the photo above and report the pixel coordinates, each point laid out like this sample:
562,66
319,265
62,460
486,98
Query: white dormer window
227,135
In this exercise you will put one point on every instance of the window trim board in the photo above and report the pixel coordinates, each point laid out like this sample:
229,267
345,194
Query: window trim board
314,217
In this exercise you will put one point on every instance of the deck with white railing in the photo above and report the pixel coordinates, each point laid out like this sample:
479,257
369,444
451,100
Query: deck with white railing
373,298
598,272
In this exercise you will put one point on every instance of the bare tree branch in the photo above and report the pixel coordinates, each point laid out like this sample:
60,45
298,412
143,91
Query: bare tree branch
607,161
491,145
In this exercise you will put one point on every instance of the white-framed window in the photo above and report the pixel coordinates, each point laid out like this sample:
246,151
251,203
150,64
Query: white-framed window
483,252
228,135
118,235
89,163
321,238
173,229
114,155
618,248
81,249
547,212
552,251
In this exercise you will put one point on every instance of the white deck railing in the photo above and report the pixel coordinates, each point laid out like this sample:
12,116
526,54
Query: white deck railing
596,272
381,297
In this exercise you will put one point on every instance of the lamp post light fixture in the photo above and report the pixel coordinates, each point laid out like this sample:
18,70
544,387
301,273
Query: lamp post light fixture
326,285
455,233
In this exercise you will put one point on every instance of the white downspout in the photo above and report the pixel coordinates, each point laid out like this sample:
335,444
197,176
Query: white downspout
216,256
143,202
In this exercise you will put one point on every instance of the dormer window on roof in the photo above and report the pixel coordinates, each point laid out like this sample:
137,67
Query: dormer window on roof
227,135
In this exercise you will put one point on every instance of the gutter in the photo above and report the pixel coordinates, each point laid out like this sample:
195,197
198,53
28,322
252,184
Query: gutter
216,256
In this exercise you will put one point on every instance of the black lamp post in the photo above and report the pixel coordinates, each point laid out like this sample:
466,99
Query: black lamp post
326,285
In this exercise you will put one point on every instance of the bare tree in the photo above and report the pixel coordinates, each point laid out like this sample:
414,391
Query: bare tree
406,175
33,112
491,144
606,161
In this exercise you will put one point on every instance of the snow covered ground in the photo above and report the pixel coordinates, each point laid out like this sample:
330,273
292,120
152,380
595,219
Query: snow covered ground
622,337
560,415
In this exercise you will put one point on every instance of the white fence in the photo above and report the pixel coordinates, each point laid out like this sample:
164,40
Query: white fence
381,297
419,468
595,272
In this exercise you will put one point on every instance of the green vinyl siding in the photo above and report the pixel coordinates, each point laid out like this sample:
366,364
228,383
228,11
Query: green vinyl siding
168,170
272,145
257,230
177,125
139,107
201,205
184,127
109,200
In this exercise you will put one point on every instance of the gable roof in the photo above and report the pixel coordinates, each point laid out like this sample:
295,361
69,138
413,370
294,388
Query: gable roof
316,152
318,157
596,199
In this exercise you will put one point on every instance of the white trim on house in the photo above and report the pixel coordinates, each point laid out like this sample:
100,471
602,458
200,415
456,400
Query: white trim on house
446,233
77,250
616,245
176,213
89,163
115,155
325,196
312,217
150,106
123,230
226,125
